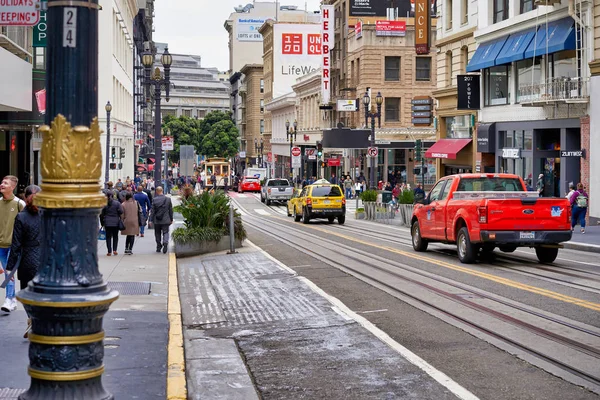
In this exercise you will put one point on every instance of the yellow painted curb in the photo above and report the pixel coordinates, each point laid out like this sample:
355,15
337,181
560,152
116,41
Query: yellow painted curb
176,380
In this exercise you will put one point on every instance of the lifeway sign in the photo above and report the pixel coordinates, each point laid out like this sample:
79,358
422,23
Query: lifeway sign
19,12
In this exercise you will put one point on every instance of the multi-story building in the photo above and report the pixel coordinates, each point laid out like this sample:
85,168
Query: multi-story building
195,90
252,109
534,73
282,111
594,137
455,45
115,81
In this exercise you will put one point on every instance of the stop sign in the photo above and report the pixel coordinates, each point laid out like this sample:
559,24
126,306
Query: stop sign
296,151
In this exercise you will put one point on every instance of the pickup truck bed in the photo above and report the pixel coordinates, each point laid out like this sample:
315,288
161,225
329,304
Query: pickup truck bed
278,190
506,216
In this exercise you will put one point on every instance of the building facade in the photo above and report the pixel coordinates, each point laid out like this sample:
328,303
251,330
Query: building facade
310,121
534,78
282,110
593,136
252,92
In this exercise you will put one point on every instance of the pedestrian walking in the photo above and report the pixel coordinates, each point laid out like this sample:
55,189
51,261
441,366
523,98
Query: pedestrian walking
419,192
109,219
541,185
145,204
162,215
131,219
26,243
571,191
10,207
348,187
579,202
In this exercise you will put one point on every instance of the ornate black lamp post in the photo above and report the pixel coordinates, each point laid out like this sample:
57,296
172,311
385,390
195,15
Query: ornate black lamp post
159,82
68,298
291,136
373,115
258,148
108,109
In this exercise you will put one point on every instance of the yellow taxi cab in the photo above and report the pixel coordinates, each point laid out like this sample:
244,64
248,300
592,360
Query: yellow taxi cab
291,203
320,200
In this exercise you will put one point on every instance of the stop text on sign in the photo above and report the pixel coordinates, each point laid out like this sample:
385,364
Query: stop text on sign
19,12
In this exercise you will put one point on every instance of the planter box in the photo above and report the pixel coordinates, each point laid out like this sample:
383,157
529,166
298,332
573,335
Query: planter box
360,215
195,249
405,213
175,191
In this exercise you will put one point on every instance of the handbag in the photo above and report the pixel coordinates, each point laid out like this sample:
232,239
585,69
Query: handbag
121,225
102,234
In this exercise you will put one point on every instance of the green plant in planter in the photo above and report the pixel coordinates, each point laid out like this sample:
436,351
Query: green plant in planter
369,195
407,197
206,219
360,210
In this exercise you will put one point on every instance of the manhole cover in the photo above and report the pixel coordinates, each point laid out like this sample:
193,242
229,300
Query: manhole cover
131,288
10,394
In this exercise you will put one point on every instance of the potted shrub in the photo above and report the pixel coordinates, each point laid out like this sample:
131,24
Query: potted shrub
369,197
206,228
175,190
360,213
405,206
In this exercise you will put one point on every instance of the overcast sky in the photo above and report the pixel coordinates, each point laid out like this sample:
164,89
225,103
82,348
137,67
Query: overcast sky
196,26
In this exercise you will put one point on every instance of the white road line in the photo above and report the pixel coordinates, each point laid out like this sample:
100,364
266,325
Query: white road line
373,311
261,211
414,359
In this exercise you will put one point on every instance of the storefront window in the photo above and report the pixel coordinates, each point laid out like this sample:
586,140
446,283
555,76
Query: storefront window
522,167
528,140
548,140
458,127
496,85
528,74
509,139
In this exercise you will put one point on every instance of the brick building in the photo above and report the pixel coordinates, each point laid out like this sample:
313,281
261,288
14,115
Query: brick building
252,111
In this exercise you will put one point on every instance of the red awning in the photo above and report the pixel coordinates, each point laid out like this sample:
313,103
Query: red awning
447,148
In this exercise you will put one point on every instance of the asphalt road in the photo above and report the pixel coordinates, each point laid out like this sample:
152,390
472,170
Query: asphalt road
504,328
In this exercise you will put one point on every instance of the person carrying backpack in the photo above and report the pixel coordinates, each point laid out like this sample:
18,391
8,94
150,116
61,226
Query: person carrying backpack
579,202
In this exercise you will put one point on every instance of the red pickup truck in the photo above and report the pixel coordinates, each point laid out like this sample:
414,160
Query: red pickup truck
484,211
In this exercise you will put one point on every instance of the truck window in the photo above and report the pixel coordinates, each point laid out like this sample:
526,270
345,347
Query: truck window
278,182
436,191
324,191
485,184
444,195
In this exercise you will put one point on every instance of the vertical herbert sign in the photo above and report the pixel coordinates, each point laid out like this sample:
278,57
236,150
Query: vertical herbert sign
70,27
327,14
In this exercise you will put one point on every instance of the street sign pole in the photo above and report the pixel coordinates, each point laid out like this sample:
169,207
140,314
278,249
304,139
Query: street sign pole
68,298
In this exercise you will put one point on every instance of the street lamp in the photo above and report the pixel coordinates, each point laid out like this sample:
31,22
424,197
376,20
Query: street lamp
158,82
373,115
291,136
108,109
258,148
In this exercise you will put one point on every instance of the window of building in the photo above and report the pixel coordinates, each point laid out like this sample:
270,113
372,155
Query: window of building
352,81
464,10
201,113
392,68
449,68
563,64
527,5
529,73
262,105
500,10
187,113
262,85
448,14
392,109
458,127
262,126
464,59
528,140
423,68
40,58
496,85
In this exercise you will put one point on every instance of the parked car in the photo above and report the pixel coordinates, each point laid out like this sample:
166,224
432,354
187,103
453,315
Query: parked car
484,211
279,190
320,200
292,202
249,184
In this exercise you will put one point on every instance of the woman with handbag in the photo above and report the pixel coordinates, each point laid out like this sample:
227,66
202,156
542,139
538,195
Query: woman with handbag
110,219
131,218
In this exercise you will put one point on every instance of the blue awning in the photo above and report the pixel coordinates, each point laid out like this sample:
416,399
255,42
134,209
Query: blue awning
485,55
514,49
561,36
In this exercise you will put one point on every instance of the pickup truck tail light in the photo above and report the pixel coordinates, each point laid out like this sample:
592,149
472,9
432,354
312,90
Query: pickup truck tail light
309,202
569,214
344,201
482,215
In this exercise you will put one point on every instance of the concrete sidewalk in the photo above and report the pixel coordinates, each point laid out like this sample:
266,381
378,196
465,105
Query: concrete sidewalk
253,329
136,327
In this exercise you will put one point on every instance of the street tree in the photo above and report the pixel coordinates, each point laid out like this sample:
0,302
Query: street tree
185,131
222,140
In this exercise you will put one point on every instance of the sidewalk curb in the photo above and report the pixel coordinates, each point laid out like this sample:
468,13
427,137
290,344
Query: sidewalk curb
592,248
176,379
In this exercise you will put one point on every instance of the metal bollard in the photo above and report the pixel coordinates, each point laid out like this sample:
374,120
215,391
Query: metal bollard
231,230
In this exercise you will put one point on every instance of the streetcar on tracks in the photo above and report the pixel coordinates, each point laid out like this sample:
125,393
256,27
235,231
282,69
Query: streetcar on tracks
221,168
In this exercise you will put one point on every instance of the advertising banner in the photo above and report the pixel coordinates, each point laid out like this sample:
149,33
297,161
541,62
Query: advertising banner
390,28
468,92
358,29
422,26
296,52
327,36
247,29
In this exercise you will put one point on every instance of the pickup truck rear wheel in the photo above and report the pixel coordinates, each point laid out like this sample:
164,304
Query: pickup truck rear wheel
467,252
341,219
305,217
546,255
419,244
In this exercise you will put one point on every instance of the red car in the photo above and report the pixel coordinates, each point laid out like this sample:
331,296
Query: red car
249,184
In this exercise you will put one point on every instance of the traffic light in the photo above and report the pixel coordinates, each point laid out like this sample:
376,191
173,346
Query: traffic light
323,164
113,152
113,165
418,149
122,152
319,149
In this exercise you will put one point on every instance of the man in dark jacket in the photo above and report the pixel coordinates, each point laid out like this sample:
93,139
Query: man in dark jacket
144,202
162,215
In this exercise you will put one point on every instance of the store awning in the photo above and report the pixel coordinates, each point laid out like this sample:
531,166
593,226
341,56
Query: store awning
447,148
561,36
514,49
485,55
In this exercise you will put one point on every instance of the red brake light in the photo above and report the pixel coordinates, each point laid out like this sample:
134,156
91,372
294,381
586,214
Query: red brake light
482,214
309,201
343,200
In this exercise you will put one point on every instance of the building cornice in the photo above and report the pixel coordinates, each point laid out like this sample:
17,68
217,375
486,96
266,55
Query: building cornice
445,92
287,100
595,68
455,37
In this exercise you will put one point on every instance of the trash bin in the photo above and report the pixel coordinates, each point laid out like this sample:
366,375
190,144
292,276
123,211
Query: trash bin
386,196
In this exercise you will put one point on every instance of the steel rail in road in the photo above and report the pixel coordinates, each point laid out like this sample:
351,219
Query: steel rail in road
280,231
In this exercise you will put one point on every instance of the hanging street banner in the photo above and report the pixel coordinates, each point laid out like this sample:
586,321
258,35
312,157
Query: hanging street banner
41,29
20,12
422,26
327,36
